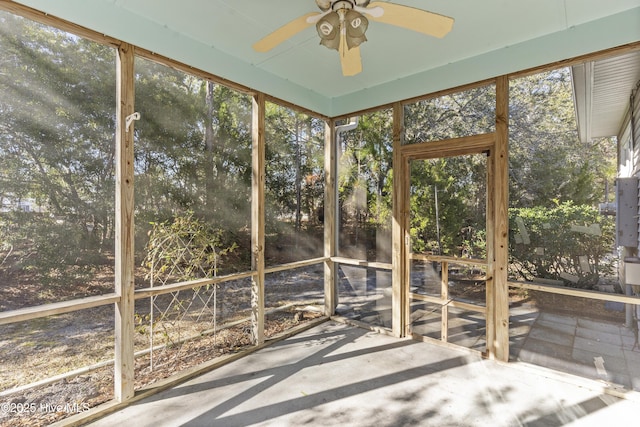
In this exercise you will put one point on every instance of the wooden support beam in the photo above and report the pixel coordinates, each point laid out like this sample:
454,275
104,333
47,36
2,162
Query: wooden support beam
258,219
330,219
500,157
490,273
444,294
190,284
294,265
124,249
399,248
450,147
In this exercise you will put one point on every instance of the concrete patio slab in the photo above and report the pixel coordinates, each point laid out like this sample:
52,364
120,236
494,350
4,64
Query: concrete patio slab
338,375
628,341
557,318
599,346
565,328
604,327
614,338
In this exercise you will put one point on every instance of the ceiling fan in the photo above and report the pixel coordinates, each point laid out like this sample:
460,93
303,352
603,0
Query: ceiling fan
342,25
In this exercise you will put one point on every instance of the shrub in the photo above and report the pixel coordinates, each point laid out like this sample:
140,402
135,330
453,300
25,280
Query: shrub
568,242
57,251
185,248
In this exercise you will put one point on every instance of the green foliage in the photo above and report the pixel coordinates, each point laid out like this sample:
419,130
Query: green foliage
185,249
365,171
193,154
451,116
560,243
56,251
57,98
547,161
294,168
460,185
193,148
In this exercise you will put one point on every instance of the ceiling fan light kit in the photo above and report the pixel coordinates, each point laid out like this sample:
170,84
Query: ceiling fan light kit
331,26
342,25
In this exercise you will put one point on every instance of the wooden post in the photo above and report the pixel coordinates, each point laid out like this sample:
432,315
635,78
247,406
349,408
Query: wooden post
258,218
501,222
400,294
124,255
444,294
490,316
330,227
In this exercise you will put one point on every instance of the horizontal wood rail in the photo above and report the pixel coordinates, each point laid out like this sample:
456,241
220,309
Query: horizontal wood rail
38,311
52,309
175,287
449,147
450,260
449,302
573,292
180,286
362,263
56,378
297,264
456,347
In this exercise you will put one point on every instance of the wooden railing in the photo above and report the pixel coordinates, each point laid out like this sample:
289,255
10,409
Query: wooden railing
445,300
582,293
63,307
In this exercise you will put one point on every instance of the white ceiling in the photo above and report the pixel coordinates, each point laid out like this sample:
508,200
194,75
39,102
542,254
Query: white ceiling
489,38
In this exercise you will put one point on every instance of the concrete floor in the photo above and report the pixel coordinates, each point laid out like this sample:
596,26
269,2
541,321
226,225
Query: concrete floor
338,375
575,344
595,349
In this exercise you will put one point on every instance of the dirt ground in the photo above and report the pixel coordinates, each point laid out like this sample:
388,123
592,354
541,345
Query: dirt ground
44,405
45,347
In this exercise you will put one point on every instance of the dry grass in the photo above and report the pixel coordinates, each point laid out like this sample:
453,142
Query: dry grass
94,388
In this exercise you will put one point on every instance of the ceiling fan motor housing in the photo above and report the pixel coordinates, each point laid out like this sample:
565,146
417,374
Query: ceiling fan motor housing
325,5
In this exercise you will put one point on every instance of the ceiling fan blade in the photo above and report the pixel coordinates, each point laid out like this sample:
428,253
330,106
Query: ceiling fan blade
419,20
350,59
283,33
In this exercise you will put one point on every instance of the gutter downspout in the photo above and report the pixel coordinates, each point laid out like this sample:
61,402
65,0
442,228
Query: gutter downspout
631,311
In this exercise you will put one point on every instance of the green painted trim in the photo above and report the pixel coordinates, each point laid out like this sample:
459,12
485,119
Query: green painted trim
612,31
608,32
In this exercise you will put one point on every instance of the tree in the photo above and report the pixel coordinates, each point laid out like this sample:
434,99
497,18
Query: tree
366,168
459,114
57,103
57,100
192,151
547,161
294,163
459,213
294,184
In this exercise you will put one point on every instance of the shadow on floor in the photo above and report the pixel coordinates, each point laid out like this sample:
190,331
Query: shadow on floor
336,375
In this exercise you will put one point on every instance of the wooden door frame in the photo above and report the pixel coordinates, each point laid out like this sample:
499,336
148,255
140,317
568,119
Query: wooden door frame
497,222
497,301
